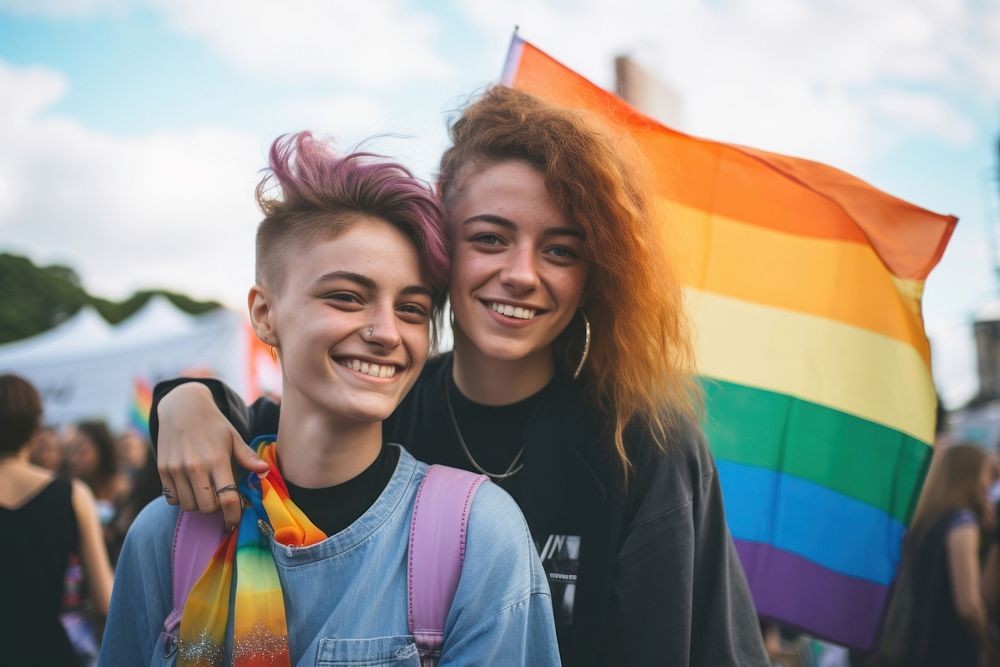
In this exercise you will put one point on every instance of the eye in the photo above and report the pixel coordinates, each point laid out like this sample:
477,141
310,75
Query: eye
413,308
562,253
487,238
342,297
414,311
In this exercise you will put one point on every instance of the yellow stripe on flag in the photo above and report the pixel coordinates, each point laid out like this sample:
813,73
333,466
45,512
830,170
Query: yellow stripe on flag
834,279
835,365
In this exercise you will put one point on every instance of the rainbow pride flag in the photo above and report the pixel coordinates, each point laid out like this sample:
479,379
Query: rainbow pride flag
140,405
804,286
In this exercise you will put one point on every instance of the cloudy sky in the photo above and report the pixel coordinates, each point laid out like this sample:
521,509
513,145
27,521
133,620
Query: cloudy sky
131,133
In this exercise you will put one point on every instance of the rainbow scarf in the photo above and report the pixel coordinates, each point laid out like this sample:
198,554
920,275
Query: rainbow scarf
260,634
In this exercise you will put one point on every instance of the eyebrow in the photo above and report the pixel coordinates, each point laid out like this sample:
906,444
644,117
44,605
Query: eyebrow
368,283
509,224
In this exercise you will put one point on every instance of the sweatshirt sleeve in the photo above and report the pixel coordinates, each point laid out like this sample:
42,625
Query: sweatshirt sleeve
142,596
261,418
680,596
502,611
725,627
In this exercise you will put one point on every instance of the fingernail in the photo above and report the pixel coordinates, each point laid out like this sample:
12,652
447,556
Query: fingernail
263,475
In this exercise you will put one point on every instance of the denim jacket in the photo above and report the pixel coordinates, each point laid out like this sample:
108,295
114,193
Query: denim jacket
345,598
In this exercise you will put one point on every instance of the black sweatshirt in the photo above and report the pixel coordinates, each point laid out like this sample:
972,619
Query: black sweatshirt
646,575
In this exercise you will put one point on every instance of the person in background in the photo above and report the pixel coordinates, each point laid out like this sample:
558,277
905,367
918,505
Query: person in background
571,385
46,449
43,518
133,453
93,458
145,489
938,615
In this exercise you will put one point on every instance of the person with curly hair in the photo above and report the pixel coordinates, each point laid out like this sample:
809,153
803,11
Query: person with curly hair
571,384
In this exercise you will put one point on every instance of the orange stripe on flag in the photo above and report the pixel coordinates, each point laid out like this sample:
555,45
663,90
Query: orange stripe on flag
780,193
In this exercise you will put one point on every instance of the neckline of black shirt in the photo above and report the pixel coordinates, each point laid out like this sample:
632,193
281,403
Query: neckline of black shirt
334,508
494,434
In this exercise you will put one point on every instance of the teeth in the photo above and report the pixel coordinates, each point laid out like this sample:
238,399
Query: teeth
513,311
370,369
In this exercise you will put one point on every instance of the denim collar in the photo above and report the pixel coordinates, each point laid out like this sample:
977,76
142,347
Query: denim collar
393,499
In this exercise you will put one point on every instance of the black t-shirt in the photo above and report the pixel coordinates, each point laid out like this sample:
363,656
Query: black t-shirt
493,434
334,508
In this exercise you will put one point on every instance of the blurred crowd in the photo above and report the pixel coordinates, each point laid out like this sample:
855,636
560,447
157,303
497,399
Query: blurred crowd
121,473
118,467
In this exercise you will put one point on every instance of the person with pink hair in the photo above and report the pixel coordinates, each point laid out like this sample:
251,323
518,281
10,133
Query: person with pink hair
351,271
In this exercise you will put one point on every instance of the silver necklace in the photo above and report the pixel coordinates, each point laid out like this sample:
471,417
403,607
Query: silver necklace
515,465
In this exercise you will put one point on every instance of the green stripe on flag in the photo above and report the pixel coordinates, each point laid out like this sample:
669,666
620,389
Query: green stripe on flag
850,455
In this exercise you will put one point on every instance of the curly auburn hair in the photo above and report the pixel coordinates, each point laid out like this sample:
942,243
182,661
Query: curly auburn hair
641,361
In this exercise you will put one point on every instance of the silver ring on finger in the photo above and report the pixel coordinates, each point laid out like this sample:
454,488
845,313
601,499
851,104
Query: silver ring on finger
226,489
167,493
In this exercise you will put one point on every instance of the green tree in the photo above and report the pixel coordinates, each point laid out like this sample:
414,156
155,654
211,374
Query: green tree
35,299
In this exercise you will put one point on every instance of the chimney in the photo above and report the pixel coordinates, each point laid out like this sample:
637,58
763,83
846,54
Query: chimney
645,92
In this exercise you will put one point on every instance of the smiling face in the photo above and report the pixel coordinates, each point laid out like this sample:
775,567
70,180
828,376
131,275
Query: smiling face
333,291
518,265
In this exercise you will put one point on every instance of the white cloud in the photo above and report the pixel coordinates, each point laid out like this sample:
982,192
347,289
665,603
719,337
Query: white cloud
925,113
32,90
803,78
344,115
954,360
170,209
371,43
374,43
966,263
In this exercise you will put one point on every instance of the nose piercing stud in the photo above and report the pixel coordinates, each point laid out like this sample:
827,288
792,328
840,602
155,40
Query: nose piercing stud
370,330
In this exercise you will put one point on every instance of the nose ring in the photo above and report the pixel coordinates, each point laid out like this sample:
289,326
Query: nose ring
370,330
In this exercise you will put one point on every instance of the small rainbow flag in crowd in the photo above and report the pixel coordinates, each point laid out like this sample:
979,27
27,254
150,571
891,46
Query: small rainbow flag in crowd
142,403
804,286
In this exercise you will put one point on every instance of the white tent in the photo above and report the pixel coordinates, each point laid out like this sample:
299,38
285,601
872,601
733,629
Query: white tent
159,318
84,330
87,369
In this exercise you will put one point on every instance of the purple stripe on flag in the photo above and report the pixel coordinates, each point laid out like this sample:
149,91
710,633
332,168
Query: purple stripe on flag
842,609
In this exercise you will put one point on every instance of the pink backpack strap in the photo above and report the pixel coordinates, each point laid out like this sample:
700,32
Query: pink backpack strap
437,549
196,538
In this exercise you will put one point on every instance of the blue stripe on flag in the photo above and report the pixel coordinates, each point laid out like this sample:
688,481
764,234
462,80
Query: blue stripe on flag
810,520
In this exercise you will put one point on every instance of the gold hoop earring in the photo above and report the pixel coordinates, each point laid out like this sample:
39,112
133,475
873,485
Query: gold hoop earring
586,345
274,353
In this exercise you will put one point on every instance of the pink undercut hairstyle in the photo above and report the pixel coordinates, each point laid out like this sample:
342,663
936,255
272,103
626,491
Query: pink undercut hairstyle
310,193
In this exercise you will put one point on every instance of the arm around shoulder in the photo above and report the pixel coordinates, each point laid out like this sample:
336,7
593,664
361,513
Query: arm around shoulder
502,611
